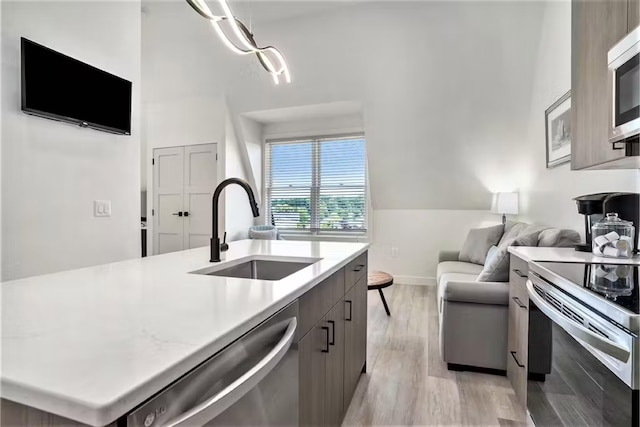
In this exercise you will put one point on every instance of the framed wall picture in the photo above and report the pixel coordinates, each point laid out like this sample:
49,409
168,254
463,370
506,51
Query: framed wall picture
558,131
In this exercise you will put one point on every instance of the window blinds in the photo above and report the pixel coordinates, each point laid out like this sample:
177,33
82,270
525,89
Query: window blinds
317,185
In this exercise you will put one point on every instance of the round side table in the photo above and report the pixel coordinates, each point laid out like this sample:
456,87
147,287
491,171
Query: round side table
378,280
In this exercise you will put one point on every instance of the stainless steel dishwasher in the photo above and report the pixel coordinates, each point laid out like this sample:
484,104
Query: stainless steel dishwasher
252,382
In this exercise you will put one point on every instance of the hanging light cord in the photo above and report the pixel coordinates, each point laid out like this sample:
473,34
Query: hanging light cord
266,55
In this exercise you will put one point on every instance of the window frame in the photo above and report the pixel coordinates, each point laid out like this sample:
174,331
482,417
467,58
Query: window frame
317,234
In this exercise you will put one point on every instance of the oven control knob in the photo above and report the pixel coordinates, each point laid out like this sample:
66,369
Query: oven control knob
149,419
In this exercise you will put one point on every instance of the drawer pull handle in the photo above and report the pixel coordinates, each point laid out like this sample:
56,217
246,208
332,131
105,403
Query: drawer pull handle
350,318
333,332
513,354
326,329
520,273
519,303
358,267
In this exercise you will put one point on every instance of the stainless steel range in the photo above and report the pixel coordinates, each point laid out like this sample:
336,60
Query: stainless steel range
584,323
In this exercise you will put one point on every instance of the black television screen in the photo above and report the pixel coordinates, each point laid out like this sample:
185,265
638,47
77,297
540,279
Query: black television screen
62,88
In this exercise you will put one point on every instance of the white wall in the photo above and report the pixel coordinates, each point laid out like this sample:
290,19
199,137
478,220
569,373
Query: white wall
184,68
238,214
407,241
52,172
182,81
0,163
314,127
253,133
445,89
547,193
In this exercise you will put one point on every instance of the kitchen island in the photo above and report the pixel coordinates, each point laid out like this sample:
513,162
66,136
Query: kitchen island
92,344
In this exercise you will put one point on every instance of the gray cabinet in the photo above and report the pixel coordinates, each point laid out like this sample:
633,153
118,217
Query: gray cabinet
321,373
595,27
333,346
318,301
355,270
355,333
529,339
335,405
312,375
517,350
633,15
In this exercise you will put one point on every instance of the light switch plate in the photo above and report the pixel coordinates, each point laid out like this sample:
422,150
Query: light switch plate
102,208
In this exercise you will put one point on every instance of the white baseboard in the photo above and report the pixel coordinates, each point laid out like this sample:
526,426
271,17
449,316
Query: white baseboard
415,280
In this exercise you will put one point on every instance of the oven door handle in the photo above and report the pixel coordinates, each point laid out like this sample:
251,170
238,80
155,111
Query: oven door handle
215,405
578,331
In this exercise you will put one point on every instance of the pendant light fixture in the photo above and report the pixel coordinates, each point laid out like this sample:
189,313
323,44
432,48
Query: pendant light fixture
242,41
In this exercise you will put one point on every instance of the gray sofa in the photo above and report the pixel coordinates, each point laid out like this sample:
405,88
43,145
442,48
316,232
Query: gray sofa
473,315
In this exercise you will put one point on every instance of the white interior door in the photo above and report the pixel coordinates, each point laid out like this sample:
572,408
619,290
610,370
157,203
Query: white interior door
168,191
200,180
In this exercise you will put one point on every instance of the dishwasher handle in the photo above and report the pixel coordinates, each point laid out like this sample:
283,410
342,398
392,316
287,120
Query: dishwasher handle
215,405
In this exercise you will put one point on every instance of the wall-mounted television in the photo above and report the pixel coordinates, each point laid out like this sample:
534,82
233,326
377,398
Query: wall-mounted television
59,87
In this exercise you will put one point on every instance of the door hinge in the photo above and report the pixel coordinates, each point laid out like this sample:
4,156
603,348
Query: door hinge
216,156
153,212
153,161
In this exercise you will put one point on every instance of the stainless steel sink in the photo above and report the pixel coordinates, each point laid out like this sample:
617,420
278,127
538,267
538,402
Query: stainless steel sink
258,268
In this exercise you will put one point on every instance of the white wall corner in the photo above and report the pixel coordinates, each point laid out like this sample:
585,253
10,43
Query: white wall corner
238,216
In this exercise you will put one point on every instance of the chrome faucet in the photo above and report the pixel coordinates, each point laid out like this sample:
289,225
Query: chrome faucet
216,247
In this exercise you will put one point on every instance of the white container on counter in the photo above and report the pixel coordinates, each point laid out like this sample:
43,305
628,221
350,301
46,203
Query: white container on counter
613,237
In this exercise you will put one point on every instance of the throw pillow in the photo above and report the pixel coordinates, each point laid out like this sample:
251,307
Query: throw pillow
491,254
478,242
498,269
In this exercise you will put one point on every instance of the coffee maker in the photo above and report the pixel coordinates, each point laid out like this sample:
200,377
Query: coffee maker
595,206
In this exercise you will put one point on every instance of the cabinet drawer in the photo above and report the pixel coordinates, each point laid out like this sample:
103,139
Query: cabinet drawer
318,301
355,270
518,294
518,378
335,288
518,323
518,271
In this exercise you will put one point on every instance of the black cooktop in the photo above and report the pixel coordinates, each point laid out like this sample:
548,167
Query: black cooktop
617,283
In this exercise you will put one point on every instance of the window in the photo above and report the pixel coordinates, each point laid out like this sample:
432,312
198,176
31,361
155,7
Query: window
317,186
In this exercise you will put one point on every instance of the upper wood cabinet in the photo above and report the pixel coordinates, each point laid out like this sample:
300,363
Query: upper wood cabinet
595,27
633,18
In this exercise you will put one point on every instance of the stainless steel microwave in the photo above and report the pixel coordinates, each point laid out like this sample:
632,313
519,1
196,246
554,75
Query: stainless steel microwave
624,88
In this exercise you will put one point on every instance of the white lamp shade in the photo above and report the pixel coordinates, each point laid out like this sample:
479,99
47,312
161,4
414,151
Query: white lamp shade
505,203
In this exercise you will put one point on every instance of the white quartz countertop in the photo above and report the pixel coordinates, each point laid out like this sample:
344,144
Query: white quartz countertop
530,254
91,344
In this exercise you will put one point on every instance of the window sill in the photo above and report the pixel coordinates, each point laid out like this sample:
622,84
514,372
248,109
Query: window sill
360,238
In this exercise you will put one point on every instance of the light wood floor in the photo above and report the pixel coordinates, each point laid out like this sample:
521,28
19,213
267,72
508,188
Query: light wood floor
407,383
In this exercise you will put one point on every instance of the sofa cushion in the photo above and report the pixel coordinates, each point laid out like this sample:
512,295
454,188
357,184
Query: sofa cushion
478,243
511,230
458,267
496,293
531,228
447,278
557,238
498,269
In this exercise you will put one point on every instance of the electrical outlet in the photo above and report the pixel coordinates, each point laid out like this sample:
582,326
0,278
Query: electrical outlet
395,251
102,208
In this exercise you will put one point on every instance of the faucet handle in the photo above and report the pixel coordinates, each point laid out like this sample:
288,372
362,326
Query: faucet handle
224,246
